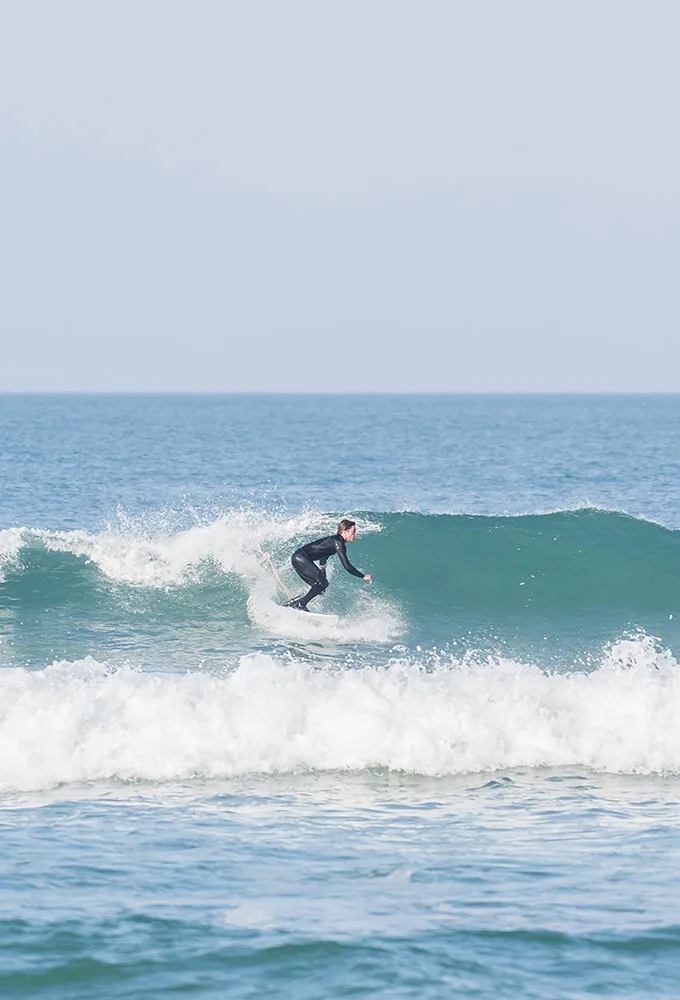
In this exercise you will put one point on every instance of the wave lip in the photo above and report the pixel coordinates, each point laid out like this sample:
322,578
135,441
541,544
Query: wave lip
81,722
11,543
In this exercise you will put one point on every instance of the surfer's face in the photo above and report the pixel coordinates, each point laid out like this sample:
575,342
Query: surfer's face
349,534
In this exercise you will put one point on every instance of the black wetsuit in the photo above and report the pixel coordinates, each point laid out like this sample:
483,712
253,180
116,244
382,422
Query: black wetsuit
304,563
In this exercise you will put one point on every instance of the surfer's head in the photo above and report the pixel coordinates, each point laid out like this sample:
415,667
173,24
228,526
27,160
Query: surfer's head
347,529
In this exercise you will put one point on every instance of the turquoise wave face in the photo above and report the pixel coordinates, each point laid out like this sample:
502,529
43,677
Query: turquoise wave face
552,588
554,585
562,562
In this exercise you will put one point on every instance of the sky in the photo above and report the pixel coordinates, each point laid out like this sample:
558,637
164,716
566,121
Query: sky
339,196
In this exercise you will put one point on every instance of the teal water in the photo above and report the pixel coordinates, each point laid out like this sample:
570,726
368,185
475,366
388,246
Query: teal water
468,786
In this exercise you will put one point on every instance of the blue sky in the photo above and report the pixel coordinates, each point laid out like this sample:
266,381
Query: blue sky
250,195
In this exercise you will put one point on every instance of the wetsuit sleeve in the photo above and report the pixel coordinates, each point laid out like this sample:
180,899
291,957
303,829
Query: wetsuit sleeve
342,556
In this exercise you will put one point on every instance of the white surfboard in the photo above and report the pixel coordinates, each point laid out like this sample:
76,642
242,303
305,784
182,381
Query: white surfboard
317,619
322,619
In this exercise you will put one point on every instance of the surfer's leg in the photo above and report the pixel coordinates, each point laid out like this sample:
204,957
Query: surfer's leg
311,574
314,591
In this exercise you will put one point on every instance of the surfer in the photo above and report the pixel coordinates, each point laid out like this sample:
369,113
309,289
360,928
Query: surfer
304,562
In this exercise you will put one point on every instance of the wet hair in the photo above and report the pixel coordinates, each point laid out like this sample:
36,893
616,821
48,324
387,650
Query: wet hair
345,525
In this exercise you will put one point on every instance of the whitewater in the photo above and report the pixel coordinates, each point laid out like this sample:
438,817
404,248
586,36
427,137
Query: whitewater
75,722
467,786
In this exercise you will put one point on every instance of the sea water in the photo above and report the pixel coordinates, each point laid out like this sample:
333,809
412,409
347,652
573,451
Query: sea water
468,786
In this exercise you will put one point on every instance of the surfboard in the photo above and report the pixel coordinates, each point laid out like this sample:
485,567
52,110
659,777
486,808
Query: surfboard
316,618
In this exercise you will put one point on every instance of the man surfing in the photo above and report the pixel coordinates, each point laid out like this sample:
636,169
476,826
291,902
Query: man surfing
304,562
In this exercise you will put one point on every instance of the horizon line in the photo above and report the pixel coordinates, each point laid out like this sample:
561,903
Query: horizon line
340,392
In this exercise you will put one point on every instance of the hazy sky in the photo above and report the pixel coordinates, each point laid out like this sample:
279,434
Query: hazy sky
332,195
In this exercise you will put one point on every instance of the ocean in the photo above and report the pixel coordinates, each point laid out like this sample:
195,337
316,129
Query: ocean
467,787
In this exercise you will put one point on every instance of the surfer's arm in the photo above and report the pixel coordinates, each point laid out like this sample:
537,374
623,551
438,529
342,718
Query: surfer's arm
342,556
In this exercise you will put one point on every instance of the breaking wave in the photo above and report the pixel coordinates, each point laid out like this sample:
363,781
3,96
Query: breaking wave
86,722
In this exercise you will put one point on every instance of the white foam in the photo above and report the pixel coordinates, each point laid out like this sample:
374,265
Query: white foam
165,560
75,722
139,551
371,619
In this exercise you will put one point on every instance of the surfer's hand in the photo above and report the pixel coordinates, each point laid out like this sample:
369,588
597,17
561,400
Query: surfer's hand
369,578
